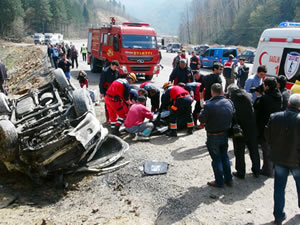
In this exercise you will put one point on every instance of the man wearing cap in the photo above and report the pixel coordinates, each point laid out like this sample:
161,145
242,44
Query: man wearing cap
181,107
242,73
153,94
181,74
3,77
137,114
228,71
282,133
117,100
108,75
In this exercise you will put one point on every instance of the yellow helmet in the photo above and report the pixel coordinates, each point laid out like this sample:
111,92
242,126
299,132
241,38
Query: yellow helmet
166,85
132,76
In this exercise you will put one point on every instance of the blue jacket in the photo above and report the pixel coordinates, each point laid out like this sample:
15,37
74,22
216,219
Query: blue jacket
217,114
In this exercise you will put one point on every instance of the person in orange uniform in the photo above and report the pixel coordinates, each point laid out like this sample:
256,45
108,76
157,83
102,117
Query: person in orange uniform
181,107
117,100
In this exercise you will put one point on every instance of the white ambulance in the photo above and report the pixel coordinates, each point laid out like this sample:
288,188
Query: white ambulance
279,49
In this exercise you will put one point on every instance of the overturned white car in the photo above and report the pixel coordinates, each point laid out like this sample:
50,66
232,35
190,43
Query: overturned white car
53,130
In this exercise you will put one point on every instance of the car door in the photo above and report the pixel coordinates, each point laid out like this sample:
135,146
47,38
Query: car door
205,59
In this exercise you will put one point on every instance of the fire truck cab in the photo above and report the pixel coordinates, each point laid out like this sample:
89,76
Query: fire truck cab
279,50
134,45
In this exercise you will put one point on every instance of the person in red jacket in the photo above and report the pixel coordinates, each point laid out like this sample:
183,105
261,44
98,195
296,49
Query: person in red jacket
181,107
137,114
117,101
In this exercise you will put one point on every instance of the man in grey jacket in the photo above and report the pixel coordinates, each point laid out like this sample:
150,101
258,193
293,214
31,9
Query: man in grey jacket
282,133
3,77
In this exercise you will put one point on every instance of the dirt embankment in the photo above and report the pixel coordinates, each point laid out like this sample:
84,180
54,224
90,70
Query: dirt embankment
23,62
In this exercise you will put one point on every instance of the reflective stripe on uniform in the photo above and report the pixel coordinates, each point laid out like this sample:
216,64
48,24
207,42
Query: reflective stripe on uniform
189,125
173,126
173,107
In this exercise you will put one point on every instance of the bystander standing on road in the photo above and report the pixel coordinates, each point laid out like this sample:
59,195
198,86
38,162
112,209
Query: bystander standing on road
282,133
245,117
65,65
181,74
3,77
242,73
55,55
228,72
217,115
211,79
135,120
195,62
176,60
83,52
281,83
270,102
74,56
255,80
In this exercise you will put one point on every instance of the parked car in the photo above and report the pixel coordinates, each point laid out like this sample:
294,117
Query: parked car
53,130
173,47
217,55
39,38
193,49
200,50
248,55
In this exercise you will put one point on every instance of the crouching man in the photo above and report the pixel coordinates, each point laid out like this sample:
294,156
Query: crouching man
134,122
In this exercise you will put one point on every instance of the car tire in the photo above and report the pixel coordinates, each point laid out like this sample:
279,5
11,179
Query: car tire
94,65
82,102
61,79
4,105
8,141
148,77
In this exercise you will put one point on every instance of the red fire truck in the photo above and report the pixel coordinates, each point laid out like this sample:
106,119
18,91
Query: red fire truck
134,45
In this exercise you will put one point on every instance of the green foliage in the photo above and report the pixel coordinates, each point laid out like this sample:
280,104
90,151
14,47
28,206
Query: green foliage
239,22
24,17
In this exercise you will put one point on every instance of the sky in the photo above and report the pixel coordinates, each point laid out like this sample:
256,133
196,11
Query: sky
163,15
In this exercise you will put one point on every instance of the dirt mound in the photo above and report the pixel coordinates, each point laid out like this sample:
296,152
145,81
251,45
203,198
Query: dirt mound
23,63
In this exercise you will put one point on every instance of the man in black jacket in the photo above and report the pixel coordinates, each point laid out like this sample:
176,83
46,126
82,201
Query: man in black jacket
3,77
242,73
211,79
282,133
245,117
217,115
181,74
281,83
270,102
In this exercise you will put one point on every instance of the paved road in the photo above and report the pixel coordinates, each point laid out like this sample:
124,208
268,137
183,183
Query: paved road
167,59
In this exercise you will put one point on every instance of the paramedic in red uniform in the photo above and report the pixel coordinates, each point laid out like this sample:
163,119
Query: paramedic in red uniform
117,100
194,90
109,75
153,94
181,74
181,107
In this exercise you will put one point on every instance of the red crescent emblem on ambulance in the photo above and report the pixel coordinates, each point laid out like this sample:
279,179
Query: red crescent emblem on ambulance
260,57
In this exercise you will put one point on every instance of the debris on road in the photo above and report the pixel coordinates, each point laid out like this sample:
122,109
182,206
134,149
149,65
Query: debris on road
155,168
53,130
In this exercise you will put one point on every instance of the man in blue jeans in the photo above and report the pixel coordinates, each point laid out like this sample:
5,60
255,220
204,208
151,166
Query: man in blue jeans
217,115
282,133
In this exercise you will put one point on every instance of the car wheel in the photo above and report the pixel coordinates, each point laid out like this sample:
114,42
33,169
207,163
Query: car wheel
4,104
82,102
148,77
61,79
8,141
